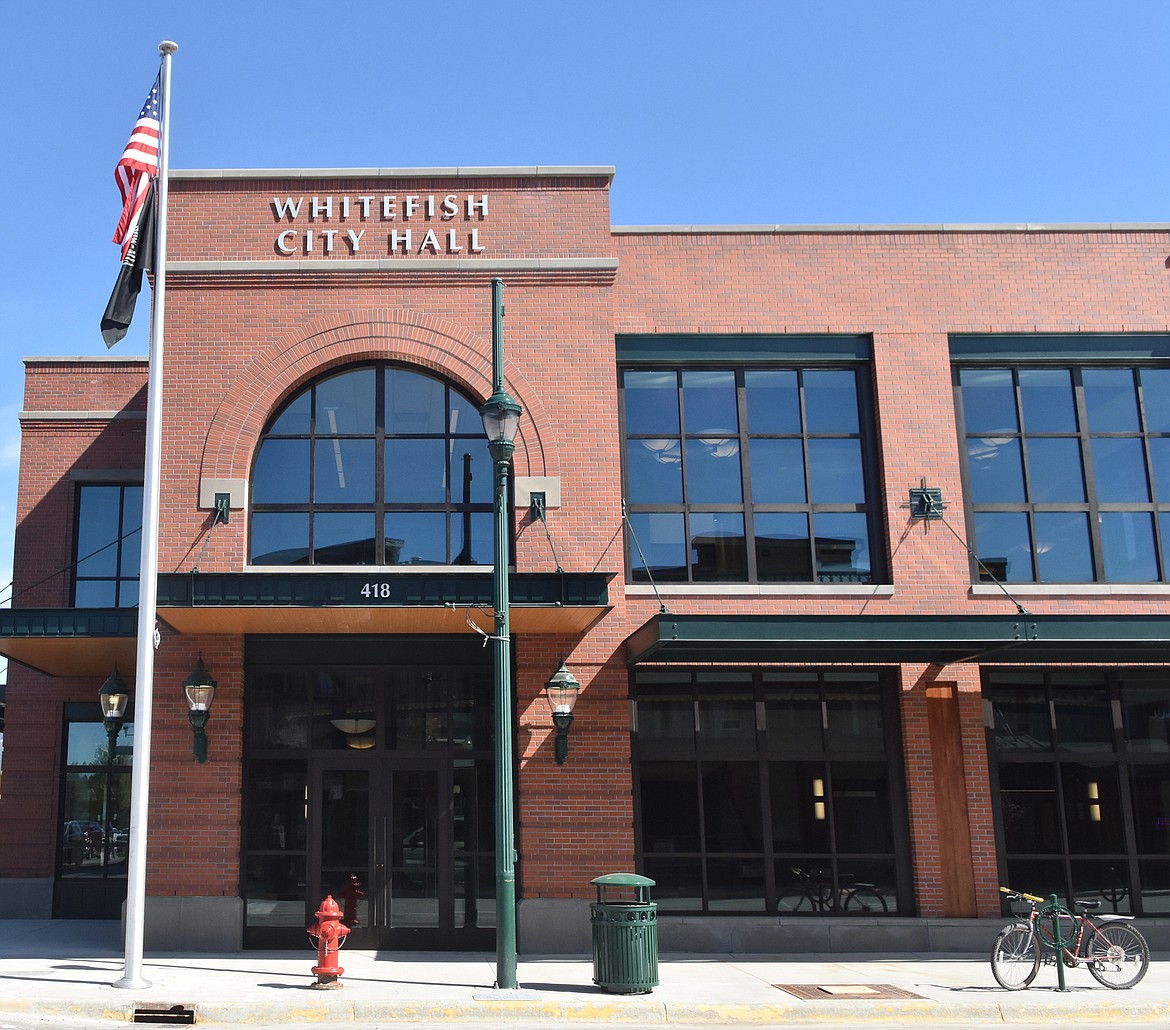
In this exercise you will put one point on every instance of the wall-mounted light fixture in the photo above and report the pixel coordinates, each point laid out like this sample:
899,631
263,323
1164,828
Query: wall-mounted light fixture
199,689
561,693
114,696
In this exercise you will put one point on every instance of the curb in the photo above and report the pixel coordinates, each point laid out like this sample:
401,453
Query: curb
538,1006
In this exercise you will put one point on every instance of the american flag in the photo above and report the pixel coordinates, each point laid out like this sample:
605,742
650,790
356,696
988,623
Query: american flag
139,162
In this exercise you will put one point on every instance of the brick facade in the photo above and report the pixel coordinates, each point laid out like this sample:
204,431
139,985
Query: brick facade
247,326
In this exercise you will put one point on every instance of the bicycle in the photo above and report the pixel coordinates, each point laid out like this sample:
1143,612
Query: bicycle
1114,952
817,894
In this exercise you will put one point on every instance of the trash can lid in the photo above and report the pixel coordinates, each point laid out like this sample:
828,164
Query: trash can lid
622,880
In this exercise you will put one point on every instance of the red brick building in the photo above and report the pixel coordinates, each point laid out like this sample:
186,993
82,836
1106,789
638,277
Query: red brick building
857,539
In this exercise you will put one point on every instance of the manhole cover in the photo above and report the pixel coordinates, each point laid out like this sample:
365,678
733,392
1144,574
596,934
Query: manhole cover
825,992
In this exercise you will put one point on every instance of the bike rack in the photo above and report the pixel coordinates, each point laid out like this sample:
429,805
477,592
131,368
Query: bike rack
1055,910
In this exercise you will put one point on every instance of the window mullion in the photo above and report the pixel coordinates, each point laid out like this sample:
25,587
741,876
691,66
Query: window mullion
808,498
745,474
380,465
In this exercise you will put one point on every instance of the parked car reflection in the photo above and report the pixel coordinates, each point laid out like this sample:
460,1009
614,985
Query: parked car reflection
82,840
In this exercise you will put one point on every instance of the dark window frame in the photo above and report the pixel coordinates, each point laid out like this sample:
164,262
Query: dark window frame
121,542
779,864
119,765
866,435
450,508
1076,358
285,675
1065,757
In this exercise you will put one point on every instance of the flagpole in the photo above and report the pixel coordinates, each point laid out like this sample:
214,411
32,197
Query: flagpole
132,977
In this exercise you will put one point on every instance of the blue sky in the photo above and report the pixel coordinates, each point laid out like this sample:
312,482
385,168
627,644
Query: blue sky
745,111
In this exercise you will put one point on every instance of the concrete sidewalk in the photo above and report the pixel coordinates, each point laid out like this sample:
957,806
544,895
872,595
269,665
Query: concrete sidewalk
67,969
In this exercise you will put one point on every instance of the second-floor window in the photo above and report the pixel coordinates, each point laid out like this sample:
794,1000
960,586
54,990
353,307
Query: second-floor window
108,545
373,465
757,474
1068,470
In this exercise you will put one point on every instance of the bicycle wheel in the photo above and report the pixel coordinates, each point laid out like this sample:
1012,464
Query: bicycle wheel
1119,955
1015,957
865,899
793,900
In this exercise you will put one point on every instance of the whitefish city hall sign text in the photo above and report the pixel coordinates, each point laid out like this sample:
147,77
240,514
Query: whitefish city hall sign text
377,225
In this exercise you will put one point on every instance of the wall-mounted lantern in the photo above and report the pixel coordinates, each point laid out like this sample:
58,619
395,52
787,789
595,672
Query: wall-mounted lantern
561,693
114,696
199,689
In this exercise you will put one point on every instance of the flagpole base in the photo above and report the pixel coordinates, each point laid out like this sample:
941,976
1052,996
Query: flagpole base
132,983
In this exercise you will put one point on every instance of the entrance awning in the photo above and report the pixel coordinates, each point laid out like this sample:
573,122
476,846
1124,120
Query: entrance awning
893,639
70,641
89,642
378,602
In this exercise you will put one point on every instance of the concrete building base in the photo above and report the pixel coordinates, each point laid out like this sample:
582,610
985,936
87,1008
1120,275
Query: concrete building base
548,926
26,897
553,926
185,924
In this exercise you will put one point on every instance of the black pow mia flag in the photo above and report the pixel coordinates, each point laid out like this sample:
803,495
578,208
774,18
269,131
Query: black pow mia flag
139,258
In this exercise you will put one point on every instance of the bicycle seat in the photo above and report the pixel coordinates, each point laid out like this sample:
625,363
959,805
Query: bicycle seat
1095,903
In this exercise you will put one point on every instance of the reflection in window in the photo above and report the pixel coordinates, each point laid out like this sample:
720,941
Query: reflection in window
1082,768
94,836
767,791
1068,472
108,546
375,465
758,475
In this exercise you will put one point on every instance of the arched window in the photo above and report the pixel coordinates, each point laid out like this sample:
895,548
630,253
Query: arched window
374,465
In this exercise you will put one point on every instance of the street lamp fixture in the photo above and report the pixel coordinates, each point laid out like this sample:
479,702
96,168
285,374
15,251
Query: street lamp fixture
199,689
561,693
114,695
501,418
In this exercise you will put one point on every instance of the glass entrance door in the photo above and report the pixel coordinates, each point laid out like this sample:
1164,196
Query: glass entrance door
369,776
385,836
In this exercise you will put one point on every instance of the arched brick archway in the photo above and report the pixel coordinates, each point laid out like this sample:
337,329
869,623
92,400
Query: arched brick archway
401,335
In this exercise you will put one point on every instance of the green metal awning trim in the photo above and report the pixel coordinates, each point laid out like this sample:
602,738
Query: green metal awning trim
378,588
70,641
724,347
1059,346
68,622
894,639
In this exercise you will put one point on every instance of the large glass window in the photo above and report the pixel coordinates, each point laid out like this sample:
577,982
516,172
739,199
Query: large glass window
756,474
95,805
1082,779
374,465
769,791
108,546
1068,471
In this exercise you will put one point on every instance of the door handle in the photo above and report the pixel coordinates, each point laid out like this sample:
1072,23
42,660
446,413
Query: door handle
381,890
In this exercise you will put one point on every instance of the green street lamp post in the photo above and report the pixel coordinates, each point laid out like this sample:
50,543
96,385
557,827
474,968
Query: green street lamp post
501,419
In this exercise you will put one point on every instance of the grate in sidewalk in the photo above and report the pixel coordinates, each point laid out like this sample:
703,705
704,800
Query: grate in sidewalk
828,992
174,1015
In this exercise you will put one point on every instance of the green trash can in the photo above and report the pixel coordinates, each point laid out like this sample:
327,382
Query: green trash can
625,934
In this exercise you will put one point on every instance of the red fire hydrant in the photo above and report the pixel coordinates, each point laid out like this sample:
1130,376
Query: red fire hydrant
353,891
328,935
